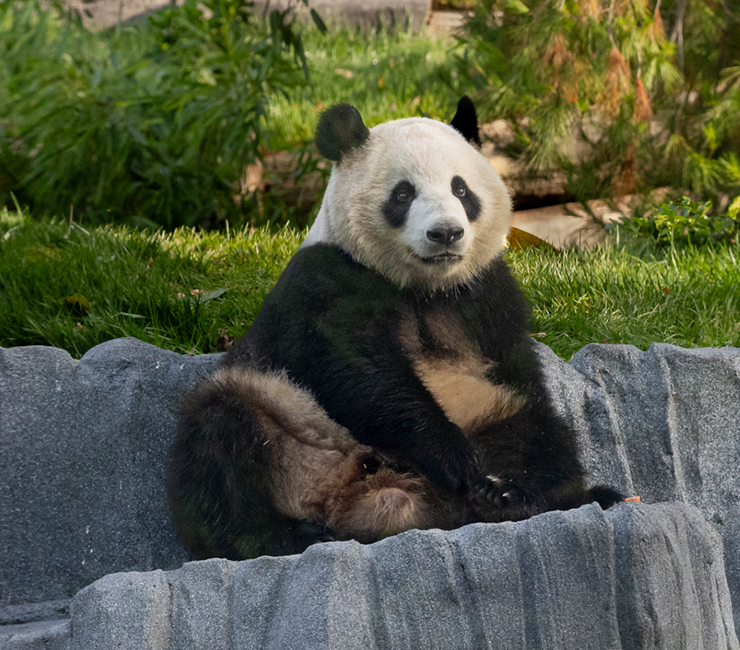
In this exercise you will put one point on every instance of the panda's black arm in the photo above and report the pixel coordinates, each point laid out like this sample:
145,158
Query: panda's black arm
384,405
535,447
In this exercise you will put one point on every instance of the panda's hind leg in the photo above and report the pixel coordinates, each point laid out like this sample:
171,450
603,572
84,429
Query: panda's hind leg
259,468
219,484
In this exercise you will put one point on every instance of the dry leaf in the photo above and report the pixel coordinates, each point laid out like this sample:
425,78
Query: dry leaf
626,180
519,239
225,342
77,302
205,296
643,110
347,74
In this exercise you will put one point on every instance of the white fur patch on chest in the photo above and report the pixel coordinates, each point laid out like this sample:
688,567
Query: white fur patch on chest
456,375
466,396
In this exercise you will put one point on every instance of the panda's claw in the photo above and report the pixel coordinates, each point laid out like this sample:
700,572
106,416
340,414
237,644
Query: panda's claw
495,492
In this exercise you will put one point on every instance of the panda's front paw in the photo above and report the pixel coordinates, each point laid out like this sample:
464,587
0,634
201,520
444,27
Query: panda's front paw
494,493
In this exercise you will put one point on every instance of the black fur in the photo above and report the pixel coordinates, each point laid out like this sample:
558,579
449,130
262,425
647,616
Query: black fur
469,199
216,484
334,326
466,121
396,208
339,131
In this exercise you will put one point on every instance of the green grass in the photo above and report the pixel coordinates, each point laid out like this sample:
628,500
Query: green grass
139,284
391,75
635,294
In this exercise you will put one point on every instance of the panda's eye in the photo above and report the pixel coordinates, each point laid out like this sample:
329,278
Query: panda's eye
400,199
403,192
466,196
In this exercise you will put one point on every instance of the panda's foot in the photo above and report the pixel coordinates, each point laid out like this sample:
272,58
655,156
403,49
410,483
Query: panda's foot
381,504
605,496
495,493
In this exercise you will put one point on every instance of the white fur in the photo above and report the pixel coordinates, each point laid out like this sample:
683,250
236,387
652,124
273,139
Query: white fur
428,154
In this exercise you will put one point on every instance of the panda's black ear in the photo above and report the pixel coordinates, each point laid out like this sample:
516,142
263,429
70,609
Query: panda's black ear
466,121
340,129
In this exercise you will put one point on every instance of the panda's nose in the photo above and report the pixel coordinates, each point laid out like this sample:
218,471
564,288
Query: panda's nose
445,235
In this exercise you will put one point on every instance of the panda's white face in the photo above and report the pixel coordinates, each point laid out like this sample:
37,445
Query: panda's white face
417,203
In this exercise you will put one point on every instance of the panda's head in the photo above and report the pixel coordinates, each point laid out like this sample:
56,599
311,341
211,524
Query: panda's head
412,198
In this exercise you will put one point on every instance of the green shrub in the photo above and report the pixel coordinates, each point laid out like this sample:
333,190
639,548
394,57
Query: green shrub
687,221
150,124
647,88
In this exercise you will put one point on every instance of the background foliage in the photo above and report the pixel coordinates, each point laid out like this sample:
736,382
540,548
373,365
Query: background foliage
151,125
164,123
618,94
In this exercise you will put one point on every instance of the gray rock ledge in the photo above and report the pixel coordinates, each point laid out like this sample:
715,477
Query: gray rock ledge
84,448
635,577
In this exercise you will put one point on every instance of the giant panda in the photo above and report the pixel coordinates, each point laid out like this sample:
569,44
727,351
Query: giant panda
389,381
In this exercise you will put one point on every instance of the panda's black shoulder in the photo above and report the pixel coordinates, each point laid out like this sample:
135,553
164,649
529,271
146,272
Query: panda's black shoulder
324,271
321,282
497,294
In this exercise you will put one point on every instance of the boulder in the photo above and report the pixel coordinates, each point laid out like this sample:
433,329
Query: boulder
632,578
662,424
366,14
100,14
84,449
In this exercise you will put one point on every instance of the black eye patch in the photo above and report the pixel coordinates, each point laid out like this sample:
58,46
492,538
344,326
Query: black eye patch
468,198
396,208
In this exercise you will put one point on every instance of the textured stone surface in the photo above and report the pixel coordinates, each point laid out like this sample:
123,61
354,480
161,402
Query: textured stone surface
123,610
663,424
42,635
364,14
636,577
84,450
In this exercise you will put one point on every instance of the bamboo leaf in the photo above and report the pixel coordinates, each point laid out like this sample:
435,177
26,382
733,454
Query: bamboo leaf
318,21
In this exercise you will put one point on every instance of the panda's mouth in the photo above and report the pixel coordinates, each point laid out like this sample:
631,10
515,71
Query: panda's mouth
442,258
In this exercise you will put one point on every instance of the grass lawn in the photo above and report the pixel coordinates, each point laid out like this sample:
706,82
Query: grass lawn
74,287
386,76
